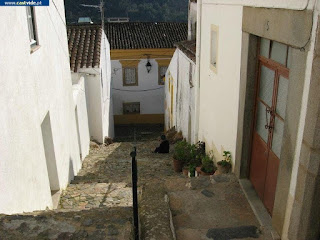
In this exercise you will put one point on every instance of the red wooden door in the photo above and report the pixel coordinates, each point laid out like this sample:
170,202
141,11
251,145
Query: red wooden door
271,97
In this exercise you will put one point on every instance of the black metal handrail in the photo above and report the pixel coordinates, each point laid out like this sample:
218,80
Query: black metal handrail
133,155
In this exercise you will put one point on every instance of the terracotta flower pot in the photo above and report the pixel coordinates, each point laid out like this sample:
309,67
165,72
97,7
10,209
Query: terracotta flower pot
177,165
200,172
185,171
206,174
223,169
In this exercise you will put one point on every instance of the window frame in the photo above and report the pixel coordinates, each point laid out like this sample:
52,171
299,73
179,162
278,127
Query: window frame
130,103
159,75
32,27
124,76
214,28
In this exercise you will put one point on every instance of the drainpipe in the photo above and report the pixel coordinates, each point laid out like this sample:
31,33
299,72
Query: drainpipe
197,85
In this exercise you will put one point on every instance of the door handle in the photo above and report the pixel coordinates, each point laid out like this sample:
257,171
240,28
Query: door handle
268,125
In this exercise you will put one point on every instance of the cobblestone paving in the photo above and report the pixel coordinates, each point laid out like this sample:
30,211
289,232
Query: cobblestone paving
98,202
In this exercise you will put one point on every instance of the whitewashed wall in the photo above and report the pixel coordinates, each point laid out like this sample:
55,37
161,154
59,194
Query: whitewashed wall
151,102
98,95
79,98
219,92
227,15
192,20
184,95
107,108
31,86
171,76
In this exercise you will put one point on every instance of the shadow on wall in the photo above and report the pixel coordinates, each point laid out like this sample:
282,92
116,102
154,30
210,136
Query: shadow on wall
71,170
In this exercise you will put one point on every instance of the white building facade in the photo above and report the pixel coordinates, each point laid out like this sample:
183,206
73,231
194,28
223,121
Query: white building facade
180,93
90,59
139,61
39,151
258,98
144,98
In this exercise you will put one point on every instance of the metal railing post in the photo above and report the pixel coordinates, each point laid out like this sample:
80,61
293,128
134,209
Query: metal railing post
133,154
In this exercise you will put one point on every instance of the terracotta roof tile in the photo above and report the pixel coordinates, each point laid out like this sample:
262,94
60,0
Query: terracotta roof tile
142,35
84,46
188,48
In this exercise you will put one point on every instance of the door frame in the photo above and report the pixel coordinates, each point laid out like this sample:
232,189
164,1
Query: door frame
279,70
248,74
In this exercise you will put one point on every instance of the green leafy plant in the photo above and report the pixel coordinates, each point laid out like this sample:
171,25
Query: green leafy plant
183,152
195,156
192,169
226,162
207,164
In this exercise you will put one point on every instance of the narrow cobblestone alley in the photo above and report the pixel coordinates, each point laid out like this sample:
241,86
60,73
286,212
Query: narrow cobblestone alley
98,202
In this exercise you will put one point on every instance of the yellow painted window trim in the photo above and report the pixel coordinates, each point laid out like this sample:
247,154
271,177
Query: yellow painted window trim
124,77
159,76
130,103
130,64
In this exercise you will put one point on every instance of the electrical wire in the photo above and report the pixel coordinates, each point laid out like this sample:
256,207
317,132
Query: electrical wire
144,90
62,43
59,13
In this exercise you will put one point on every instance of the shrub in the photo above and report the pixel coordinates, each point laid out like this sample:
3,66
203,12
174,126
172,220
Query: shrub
226,162
187,153
182,151
207,164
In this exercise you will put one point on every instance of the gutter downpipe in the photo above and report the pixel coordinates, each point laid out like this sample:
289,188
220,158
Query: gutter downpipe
198,54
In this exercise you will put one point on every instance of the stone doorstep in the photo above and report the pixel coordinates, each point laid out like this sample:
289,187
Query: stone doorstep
258,209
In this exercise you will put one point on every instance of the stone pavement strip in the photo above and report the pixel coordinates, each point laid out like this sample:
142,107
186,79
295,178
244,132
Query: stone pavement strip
212,207
98,202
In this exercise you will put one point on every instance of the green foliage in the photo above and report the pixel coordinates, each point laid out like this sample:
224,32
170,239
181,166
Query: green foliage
227,156
187,153
207,164
182,151
136,10
226,162
192,169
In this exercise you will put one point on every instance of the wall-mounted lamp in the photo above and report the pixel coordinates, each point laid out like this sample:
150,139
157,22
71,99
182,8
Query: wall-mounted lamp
148,66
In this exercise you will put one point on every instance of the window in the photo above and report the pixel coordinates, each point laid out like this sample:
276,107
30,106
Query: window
32,26
130,76
162,74
131,108
214,48
275,51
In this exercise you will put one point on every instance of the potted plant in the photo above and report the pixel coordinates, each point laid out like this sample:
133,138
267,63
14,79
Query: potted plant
181,155
207,167
224,165
192,170
185,170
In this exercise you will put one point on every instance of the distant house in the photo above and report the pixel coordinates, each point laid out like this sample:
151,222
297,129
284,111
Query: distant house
140,55
39,120
85,20
180,88
90,58
180,92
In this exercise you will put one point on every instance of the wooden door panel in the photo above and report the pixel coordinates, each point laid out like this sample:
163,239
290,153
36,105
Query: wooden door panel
271,98
271,181
258,166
